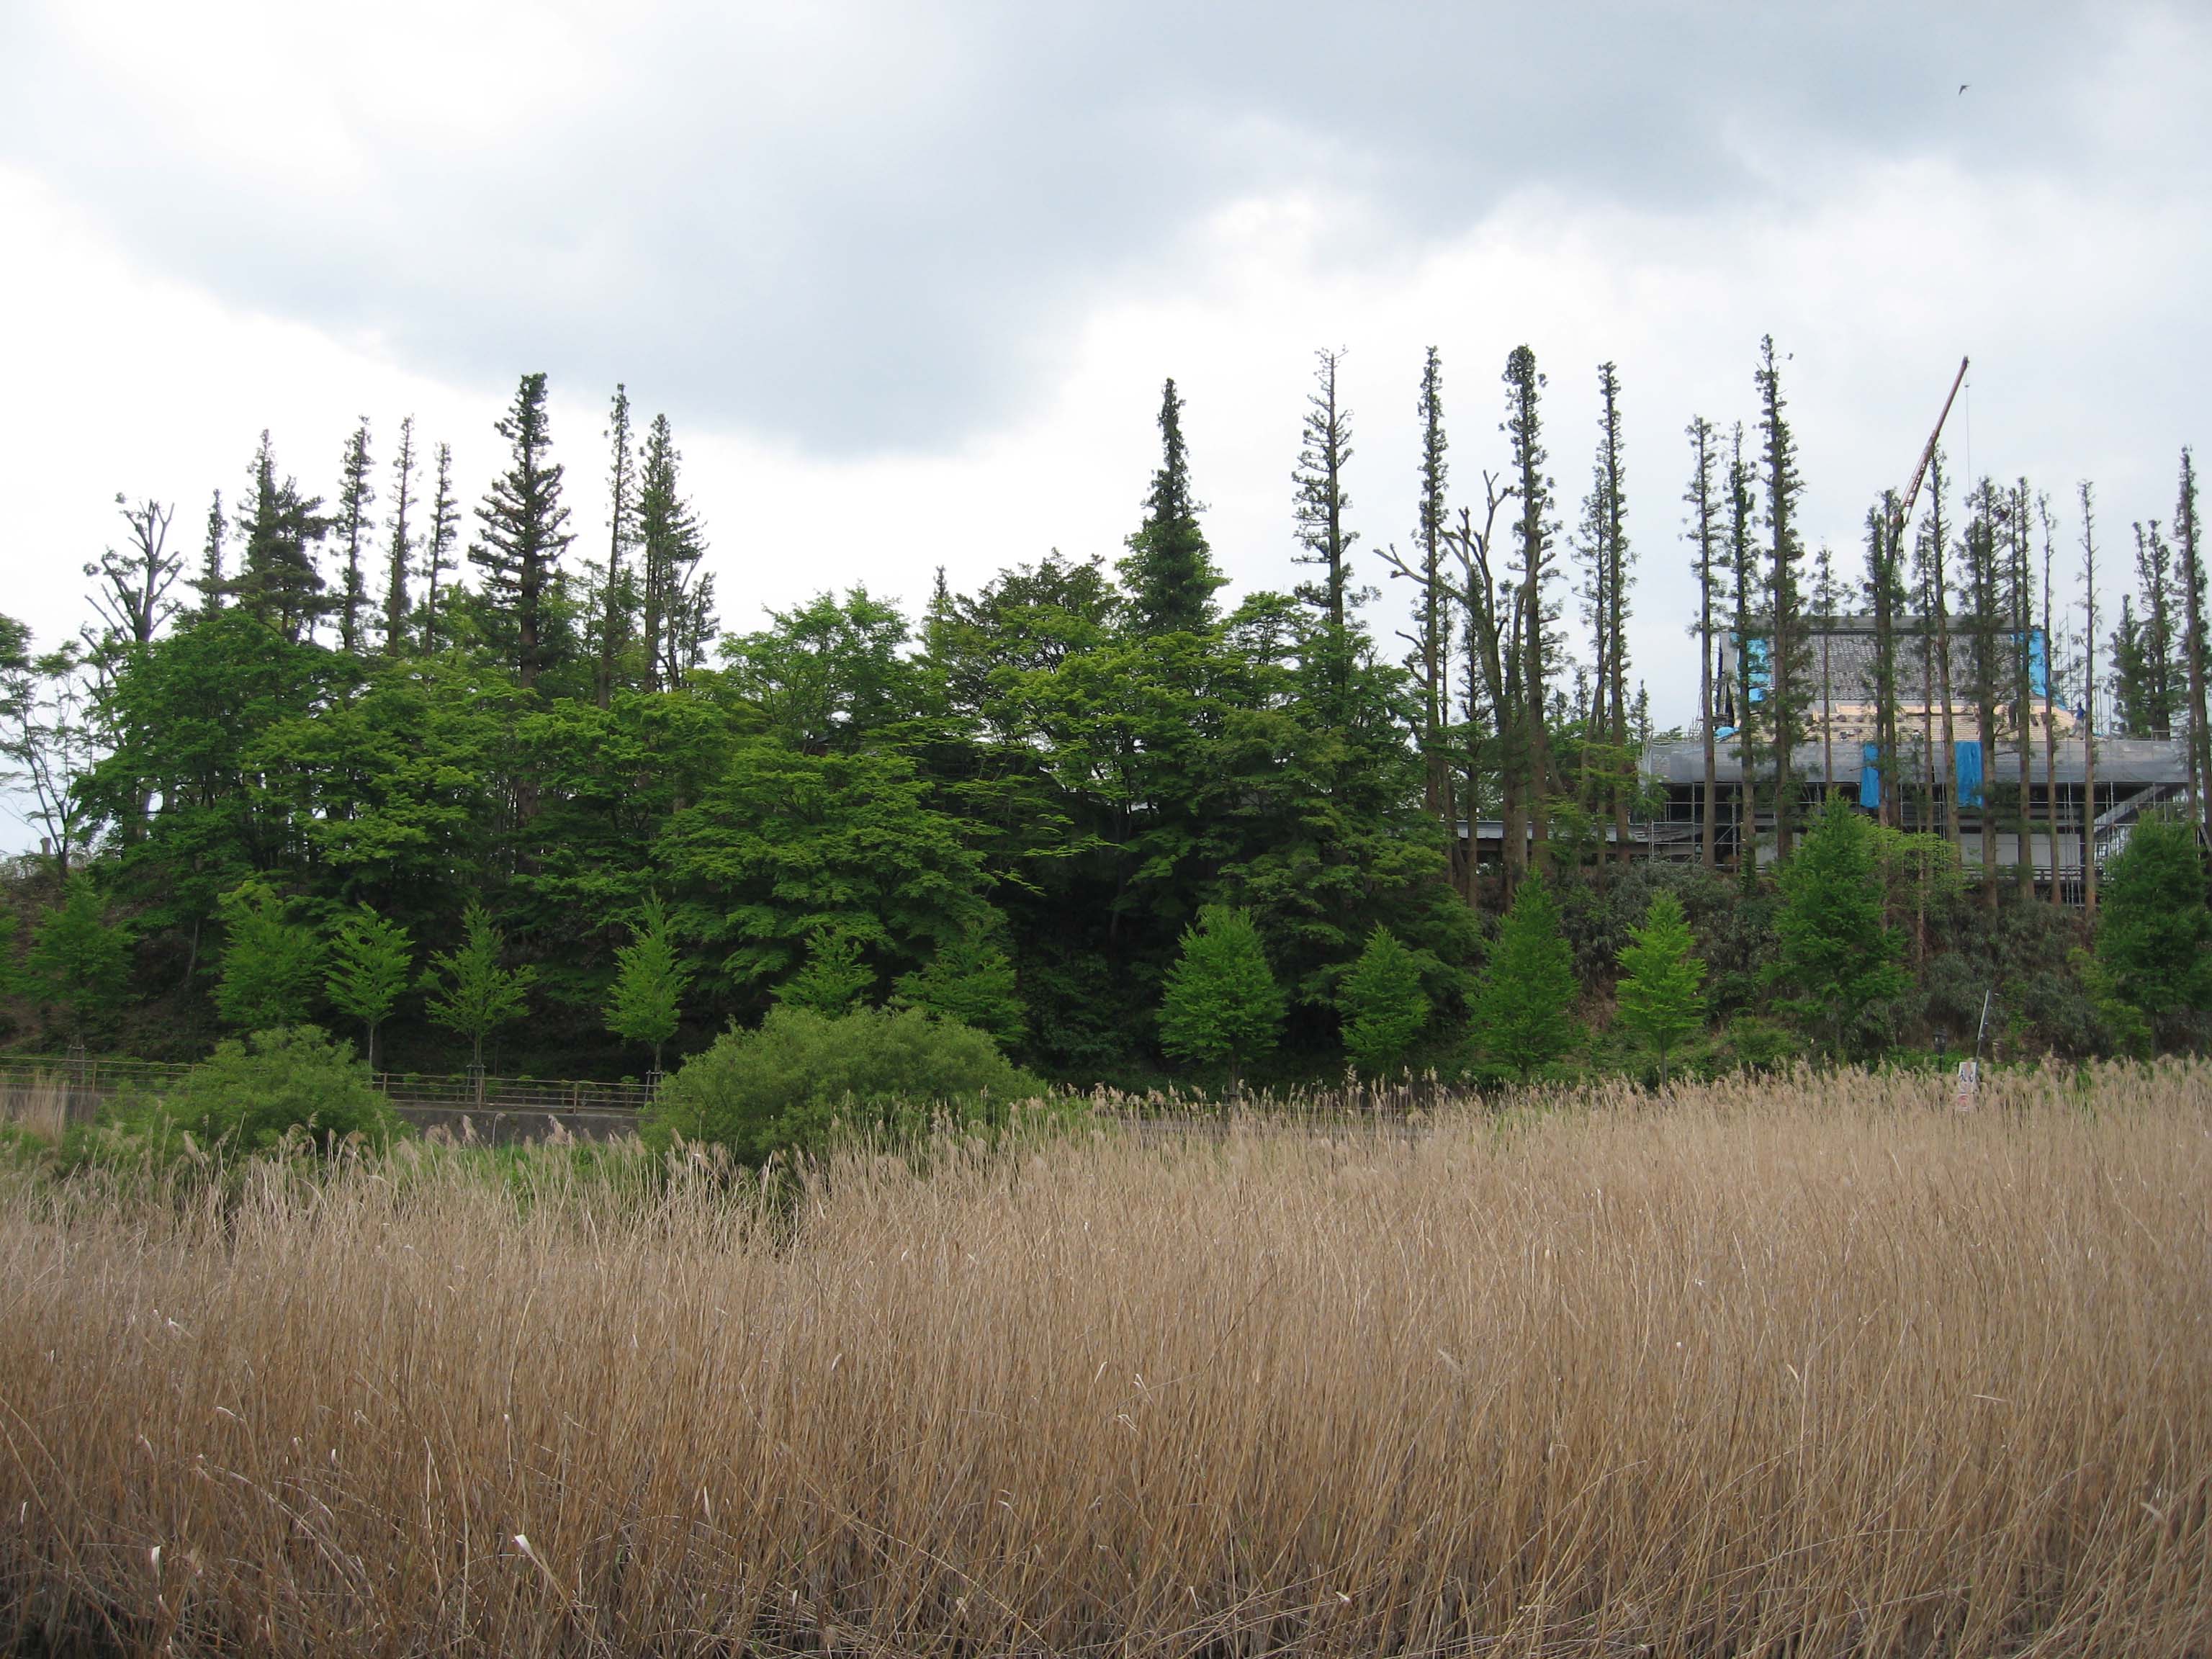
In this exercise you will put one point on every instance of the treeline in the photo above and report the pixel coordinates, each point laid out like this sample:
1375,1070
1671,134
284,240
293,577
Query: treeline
1042,806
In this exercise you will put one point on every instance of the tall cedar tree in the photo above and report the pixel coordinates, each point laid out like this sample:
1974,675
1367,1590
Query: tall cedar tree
524,535
399,557
438,545
1168,571
2019,607
1524,432
1931,554
2087,493
1524,1012
1742,509
1884,592
2050,676
352,525
672,543
1319,502
1702,499
209,583
2188,539
1604,548
277,581
622,518
1787,656
1981,572
1432,621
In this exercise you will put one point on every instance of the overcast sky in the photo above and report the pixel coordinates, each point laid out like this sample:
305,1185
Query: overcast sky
907,278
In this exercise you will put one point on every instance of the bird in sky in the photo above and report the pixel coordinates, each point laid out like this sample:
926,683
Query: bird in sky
1963,85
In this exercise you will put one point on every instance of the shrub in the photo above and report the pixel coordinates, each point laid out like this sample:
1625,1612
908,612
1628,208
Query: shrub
251,1094
793,1083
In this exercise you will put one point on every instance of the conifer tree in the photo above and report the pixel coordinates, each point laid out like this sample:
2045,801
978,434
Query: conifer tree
1662,991
351,524
2087,493
1746,693
1524,1012
622,494
1838,957
968,978
471,994
1702,499
2187,532
1536,532
1981,568
371,962
2152,708
438,546
1930,554
645,1003
277,581
78,959
1884,591
1320,502
1786,650
1168,571
209,584
833,979
1221,1005
523,533
272,963
399,557
672,543
1604,550
1383,1007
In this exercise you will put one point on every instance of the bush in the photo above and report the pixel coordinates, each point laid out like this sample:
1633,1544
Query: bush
250,1095
793,1083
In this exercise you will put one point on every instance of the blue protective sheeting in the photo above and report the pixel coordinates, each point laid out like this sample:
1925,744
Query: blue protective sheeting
1967,764
1870,776
2039,664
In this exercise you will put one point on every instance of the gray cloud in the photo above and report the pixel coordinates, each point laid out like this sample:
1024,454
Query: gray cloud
878,233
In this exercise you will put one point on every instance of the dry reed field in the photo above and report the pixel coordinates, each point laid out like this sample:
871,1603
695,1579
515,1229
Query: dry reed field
1812,1367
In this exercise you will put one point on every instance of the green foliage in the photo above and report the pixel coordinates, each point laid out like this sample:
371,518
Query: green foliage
1524,1012
1838,957
1222,1005
1760,1045
1661,989
79,959
1383,1006
794,1083
471,992
833,981
372,962
272,961
647,998
969,978
2154,930
250,1095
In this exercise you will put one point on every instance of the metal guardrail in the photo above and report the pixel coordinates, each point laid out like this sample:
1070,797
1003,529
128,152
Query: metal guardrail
93,1079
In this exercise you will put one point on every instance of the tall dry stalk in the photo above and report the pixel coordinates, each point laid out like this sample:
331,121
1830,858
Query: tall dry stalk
1818,1366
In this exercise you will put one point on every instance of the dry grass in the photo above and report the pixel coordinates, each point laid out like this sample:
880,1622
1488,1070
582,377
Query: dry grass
36,1102
1814,1368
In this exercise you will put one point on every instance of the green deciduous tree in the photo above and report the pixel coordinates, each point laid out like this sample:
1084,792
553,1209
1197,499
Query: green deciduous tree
1839,959
79,960
1524,1012
1222,1005
1661,989
272,961
372,962
969,978
471,994
1383,1006
2153,929
646,999
832,980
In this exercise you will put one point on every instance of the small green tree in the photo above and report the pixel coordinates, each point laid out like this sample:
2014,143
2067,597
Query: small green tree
832,980
79,959
271,960
1662,990
372,960
249,1095
2154,930
1382,1005
1524,1013
1222,1005
470,995
971,980
647,998
1836,955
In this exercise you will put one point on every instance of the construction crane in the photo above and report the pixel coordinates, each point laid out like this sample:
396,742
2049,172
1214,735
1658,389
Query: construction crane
1920,472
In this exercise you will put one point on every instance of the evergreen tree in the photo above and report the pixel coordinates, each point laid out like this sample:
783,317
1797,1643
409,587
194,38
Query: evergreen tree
210,584
524,535
1786,651
1981,567
1383,1007
1320,502
677,599
1524,1010
351,523
400,556
372,962
272,963
1884,591
2195,724
1702,499
1747,693
438,546
1221,1005
471,994
2155,930
1604,550
1662,990
833,981
1168,571
78,959
646,1002
1836,954
622,494
277,581
1534,614
969,979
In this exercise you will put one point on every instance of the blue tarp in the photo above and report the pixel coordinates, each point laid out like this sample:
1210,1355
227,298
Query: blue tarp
1756,652
1870,776
2038,663
1967,763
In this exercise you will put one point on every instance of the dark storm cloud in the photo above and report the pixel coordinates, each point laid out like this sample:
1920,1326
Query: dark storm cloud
878,233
